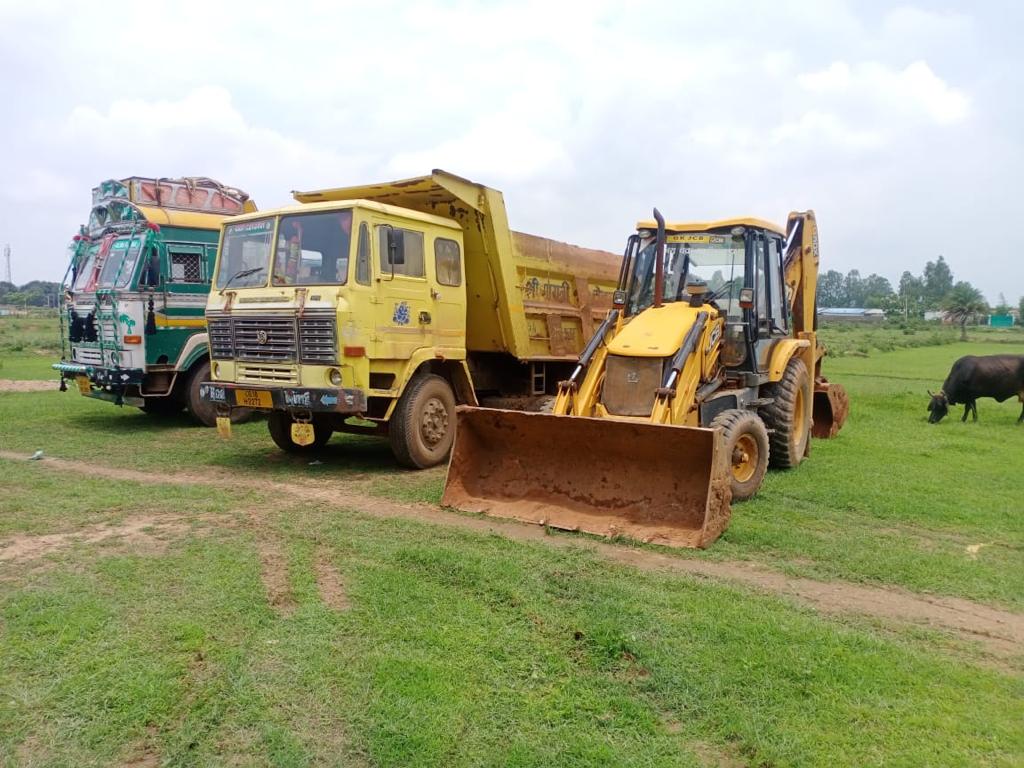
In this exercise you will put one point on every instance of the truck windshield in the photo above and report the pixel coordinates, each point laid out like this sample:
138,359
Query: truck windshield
716,259
313,249
87,268
119,267
245,254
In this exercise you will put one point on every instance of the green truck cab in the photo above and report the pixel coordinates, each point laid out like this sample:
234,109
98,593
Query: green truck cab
133,330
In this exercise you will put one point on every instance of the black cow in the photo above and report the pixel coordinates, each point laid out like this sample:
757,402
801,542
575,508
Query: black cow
997,376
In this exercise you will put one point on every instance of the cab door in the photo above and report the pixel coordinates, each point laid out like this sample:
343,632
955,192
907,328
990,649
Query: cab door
404,305
448,317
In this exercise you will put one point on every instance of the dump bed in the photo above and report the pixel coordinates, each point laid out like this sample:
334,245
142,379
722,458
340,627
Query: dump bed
549,295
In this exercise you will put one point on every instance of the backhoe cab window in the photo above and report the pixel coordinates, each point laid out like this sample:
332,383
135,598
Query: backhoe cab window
313,249
716,259
245,254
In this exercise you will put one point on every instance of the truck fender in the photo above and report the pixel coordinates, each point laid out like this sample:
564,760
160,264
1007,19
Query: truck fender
456,371
781,354
195,349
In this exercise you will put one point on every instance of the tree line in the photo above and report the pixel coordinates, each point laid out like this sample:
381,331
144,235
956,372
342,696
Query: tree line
36,293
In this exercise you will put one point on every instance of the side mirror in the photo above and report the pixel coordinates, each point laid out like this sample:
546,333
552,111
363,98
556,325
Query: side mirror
747,298
396,248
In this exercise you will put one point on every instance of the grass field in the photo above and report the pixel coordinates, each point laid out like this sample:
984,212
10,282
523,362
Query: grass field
170,598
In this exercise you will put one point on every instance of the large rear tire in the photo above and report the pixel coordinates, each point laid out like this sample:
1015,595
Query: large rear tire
788,416
746,444
422,428
280,425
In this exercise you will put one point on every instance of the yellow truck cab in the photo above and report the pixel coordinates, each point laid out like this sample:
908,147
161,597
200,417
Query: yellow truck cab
378,309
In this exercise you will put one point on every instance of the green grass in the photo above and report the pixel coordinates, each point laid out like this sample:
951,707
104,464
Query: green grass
29,345
466,649
459,649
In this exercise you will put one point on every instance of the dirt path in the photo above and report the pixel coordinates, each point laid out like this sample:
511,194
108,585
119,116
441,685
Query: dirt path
143,532
16,385
1001,632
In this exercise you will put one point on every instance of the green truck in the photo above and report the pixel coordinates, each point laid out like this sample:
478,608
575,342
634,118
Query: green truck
133,330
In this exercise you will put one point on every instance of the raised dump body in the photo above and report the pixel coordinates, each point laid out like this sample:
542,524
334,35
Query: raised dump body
379,308
134,331
530,297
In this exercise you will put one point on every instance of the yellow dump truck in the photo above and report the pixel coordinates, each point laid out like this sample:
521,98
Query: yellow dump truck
378,309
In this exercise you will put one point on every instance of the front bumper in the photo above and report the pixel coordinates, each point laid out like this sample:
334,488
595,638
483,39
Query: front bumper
117,385
312,399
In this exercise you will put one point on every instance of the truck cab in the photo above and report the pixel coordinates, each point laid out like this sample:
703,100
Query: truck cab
320,313
133,329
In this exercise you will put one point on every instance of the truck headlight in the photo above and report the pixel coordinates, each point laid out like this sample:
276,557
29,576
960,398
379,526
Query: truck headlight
334,375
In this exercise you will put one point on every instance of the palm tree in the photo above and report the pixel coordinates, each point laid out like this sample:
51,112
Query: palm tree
963,302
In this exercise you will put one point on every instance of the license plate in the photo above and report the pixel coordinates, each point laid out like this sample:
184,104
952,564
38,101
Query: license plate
83,385
254,398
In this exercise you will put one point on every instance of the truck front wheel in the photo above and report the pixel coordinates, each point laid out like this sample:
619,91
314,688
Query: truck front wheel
280,425
422,427
206,413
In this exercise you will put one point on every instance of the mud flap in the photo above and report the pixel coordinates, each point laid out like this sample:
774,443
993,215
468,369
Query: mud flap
663,484
831,407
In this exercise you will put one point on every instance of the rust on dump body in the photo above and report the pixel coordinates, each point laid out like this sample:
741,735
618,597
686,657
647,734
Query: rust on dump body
831,407
654,483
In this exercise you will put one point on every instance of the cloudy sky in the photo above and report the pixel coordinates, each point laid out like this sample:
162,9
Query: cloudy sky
901,125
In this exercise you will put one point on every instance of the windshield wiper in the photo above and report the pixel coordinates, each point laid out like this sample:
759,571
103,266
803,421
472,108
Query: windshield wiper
240,273
727,285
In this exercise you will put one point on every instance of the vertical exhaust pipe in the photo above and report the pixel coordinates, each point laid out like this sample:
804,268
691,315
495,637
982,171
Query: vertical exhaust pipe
659,263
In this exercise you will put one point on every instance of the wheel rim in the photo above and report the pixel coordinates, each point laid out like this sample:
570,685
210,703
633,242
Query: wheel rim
434,423
745,457
799,416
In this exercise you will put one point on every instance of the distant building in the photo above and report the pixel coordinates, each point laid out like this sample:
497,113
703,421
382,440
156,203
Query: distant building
850,315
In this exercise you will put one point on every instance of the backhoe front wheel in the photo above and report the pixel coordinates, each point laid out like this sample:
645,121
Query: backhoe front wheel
280,425
788,415
422,427
745,440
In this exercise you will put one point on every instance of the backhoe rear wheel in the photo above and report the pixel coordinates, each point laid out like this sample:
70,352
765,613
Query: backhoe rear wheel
422,428
788,415
746,444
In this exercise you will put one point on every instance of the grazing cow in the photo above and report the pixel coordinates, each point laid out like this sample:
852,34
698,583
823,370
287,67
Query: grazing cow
997,376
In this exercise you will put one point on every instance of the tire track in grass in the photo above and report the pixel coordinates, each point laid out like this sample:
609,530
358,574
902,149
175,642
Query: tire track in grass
1001,632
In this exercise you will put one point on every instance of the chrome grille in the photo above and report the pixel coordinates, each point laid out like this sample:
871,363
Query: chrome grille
87,355
222,345
317,340
267,374
270,339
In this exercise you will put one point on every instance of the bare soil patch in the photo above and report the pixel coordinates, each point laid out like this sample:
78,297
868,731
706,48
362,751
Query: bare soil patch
146,532
331,586
17,385
999,631
273,570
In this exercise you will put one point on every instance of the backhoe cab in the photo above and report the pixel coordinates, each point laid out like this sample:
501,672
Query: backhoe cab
705,371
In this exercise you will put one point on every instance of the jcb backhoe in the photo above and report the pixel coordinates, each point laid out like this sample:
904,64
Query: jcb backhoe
706,370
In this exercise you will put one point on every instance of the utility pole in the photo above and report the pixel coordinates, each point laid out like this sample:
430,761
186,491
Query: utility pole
7,263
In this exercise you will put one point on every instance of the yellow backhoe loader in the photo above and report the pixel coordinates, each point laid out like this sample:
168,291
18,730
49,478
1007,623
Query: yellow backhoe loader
706,370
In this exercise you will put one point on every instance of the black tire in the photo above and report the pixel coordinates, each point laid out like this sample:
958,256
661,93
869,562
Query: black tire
162,407
422,428
280,425
788,416
745,440
202,413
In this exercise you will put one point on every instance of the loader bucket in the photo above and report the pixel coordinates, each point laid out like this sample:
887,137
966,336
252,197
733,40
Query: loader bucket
831,406
663,484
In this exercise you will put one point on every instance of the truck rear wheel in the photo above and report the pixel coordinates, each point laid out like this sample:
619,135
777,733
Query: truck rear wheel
422,427
280,425
746,444
787,416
